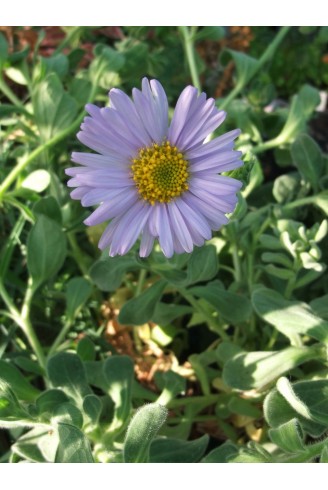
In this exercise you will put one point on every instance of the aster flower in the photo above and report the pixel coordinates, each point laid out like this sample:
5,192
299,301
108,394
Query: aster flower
152,179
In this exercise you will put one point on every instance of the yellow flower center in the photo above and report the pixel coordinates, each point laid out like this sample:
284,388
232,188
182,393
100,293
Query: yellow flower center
160,173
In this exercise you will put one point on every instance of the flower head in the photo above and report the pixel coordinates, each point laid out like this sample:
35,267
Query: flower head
152,179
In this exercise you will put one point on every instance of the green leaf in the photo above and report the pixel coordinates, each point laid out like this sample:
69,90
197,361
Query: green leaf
245,66
289,317
12,414
320,306
118,372
302,106
213,33
3,50
234,308
288,436
142,431
77,292
92,407
305,400
321,200
203,265
49,207
307,157
37,181
49,400
172,384
105,67
165,313
324,455
73,445
66,371
67,413
46,250
243,407
38,445
285,187
221,454
140,309
56,64
177,451
107,274
18,383
86,349
258,369
54,109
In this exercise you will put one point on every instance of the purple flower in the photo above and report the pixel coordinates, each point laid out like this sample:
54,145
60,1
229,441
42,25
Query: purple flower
152,179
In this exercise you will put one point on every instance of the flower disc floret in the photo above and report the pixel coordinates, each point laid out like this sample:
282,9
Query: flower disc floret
160,173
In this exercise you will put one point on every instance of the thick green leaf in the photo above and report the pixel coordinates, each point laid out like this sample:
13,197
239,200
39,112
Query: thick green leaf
165,313
172,384
285,187
309,405
302,106
177,451
245,66
92,408
54,109
86,349
49,207
307,157
221,454
3,50
18,383
56,64
46,250
66,371
49,400
12,414
77,292
288,436
214,33
107,274
118,372
38,445
289,317
142,431
257,369
37,181
233,307
67,413
105,67
73,445
203,265
140,309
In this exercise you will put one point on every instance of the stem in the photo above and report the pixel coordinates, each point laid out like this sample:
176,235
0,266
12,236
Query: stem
299,203
11,177
67,39
78,255
27,326
190,52
310,453
6,90
141,280
236,263
268,53
209,319
60,337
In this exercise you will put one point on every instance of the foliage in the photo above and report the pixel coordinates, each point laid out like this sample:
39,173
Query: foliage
216,356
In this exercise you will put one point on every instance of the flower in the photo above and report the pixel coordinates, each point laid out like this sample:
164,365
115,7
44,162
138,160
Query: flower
153,179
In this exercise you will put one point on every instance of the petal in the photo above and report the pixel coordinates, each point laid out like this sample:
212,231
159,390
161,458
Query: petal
193,218
179,227
226,160
187,97
79,192
162,105
164,230
147,243
214,217
112,207
129,228
97,161
214,145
